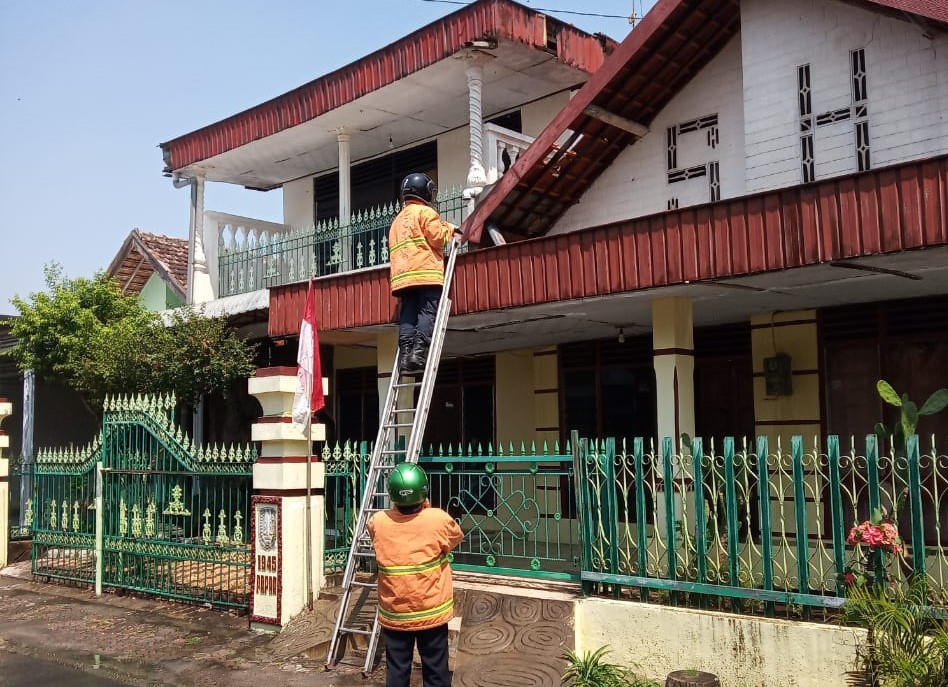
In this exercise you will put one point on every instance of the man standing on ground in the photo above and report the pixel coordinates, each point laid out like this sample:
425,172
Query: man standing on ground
416,599
416,242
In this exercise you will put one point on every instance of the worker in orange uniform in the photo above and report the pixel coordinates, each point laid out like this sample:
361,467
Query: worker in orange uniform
416,242
416,600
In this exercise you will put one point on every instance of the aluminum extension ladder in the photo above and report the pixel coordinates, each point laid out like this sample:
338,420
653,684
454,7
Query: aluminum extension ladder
358,610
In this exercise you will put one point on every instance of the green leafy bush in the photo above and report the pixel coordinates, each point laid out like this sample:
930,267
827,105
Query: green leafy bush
590,670
906,645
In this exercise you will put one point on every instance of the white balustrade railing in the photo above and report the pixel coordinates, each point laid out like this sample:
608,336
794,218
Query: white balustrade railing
502,148
245,254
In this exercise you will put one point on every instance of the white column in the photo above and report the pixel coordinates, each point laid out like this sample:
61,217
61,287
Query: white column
345,195
199,286
674,360
476,176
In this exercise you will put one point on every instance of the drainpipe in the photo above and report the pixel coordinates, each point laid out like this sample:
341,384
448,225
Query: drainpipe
199,280
345,197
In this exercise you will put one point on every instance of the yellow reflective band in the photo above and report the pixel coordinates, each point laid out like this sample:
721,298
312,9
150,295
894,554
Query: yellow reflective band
416,241
407,276
417,569
417,615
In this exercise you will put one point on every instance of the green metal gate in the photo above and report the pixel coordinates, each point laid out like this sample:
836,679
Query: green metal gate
61,513
175,516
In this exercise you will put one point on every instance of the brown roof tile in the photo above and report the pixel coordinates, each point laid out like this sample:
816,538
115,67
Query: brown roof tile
142,254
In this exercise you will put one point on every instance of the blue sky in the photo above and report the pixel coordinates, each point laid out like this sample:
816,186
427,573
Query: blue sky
89,89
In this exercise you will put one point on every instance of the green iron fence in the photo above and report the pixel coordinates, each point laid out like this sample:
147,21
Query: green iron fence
175,515
345,480
515,506
61,513
754,526
274,259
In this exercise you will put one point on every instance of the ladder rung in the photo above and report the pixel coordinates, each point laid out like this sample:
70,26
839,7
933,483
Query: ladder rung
407,384
388,452
355,631
365,554
403,410
395,425
368,585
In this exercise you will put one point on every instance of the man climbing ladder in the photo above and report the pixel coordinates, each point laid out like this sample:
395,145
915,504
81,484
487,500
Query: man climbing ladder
419,279
416,243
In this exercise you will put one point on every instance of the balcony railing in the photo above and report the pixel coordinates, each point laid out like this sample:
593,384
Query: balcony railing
502,148
255,255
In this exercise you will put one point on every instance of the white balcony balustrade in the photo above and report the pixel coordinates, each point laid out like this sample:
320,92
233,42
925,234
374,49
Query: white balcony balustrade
251,254
502,148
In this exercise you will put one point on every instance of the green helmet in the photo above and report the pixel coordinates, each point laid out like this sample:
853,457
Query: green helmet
407,485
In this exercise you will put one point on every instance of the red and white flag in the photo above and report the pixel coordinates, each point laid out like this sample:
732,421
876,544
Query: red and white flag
309,375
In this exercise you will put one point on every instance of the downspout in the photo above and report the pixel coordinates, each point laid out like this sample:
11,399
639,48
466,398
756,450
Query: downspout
197,269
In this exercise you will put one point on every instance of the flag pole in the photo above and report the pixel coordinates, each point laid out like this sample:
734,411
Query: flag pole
309,516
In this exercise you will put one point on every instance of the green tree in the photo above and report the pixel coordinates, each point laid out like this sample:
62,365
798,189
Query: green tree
85,334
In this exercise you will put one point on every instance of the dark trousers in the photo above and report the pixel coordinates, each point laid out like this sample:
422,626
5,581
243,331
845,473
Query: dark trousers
433,649
416,317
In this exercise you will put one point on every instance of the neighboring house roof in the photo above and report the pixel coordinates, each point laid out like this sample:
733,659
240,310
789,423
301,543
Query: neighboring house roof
672,43
481,20
142,254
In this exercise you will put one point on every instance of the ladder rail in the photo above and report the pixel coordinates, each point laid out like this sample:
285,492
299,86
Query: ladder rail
387,436
413,447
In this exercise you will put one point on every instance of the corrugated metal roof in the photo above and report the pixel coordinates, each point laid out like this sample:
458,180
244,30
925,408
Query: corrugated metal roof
484,19
675,40
233,305
887,210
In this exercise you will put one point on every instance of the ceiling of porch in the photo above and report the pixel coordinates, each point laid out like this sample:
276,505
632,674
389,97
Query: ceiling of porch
910,274
416,108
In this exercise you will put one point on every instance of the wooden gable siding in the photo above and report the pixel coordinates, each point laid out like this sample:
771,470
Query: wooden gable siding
883,211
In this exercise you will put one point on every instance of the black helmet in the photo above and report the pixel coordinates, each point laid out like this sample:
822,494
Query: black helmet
420,186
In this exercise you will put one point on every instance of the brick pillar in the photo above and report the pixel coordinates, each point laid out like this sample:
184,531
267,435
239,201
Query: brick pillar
6,409
278,507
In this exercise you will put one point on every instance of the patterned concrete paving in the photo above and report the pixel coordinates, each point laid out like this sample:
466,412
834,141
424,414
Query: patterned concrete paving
508,640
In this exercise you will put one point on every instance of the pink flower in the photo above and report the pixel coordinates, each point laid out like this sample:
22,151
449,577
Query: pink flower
849,578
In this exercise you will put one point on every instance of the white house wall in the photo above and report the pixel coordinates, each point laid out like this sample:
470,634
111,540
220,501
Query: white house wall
907,84
298,202
637,183
536,115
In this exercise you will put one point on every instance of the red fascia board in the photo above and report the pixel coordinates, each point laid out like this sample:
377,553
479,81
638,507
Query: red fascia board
429,45
566,119
889,210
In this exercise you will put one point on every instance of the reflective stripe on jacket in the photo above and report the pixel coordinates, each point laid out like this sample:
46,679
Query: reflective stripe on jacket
416,243
414,582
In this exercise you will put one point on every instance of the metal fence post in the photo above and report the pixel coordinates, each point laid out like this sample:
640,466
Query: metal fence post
836,511
766,529
799,510
99,529
915,503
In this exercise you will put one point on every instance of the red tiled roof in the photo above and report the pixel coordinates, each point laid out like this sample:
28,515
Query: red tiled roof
142,254
674,41
483,19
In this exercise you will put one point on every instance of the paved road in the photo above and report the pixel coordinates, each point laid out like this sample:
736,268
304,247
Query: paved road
17,670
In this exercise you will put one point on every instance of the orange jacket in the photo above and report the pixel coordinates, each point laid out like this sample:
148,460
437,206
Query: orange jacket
415,590
416,243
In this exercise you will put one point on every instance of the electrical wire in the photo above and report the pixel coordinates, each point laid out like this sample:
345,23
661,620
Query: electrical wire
542,9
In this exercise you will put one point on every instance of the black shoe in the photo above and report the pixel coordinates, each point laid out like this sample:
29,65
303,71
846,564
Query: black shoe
404,355
418,358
